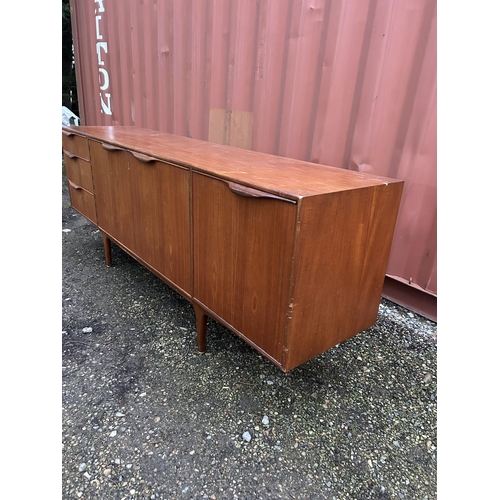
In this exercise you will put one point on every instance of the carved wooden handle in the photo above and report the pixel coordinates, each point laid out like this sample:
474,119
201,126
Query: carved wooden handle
143,158
69,155
67,133
111,147
254,193
74,186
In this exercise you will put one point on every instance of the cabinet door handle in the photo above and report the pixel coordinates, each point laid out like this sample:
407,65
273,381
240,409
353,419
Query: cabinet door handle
111,147
254,193
69,155
143,158
74,186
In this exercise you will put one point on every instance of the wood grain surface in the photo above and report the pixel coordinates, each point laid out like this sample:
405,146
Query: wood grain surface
279,175
79,171
289,255
342,252
144,204
242,260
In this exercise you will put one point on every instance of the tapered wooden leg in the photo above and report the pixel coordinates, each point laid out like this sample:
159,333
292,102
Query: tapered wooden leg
107,249
201,327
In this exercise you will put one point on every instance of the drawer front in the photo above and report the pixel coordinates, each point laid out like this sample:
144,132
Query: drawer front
242,258
76,144
82,201
78,171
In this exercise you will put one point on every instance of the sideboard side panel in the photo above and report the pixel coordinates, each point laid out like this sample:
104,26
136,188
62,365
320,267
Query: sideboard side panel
343,250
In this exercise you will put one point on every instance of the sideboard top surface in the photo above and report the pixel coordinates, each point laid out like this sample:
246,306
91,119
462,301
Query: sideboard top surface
277,174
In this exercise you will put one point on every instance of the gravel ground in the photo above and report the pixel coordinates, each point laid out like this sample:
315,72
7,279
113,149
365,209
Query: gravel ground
145,416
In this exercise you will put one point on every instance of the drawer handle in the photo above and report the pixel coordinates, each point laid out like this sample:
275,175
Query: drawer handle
143,158
74,186
254,193
70,155
67,133
111,147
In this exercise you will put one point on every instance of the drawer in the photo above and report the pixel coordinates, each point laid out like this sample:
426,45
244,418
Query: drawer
75,144
82,201
78,171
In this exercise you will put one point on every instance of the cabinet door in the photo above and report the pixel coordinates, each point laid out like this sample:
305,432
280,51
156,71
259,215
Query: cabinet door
161,217
242,259
144,204
113,192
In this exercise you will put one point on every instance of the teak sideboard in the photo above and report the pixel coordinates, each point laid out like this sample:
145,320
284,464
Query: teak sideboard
289,255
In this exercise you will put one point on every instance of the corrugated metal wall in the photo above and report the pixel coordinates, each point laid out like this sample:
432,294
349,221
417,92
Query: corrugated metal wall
348,83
